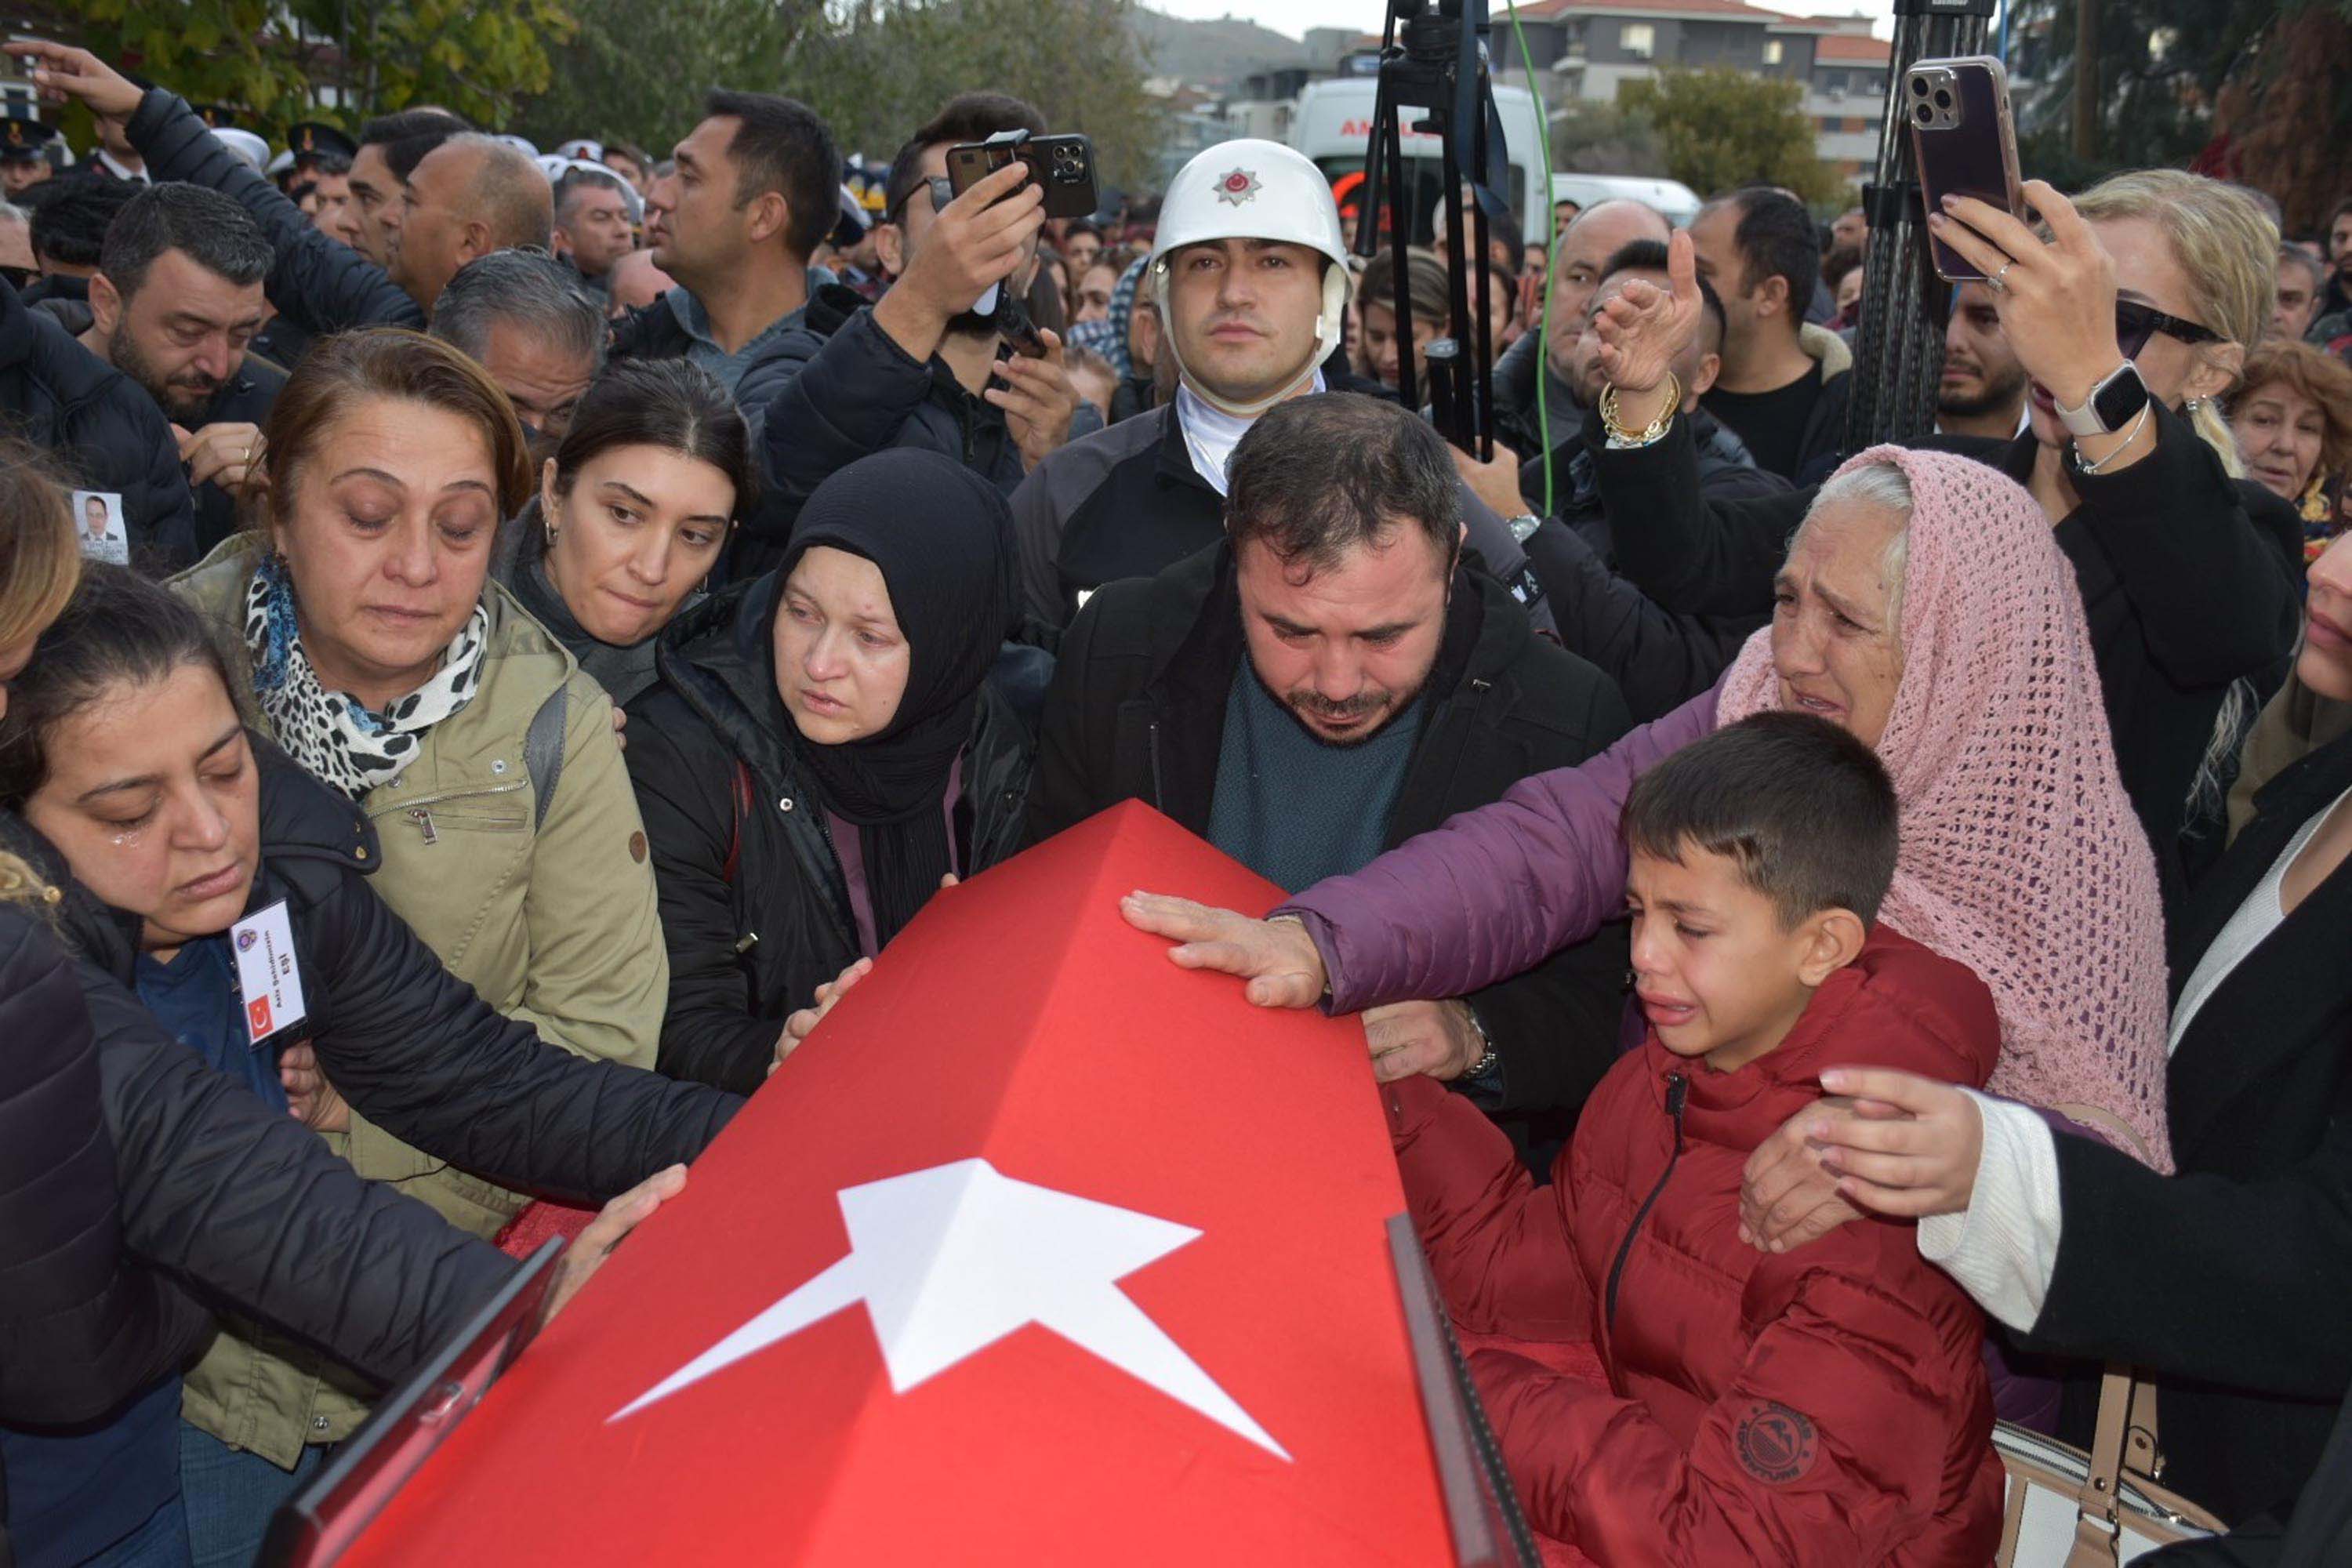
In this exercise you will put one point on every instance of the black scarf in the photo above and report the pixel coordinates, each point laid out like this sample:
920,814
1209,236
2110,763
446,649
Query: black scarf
942,538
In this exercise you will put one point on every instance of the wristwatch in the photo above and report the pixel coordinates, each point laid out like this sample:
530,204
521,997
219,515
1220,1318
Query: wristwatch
2113,403
1480,1072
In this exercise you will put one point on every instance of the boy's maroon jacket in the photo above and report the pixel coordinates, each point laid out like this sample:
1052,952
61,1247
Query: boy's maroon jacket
1827,1405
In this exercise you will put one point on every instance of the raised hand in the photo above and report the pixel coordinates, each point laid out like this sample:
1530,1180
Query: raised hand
1643,329
978,239
1277,958
61,73
2056,300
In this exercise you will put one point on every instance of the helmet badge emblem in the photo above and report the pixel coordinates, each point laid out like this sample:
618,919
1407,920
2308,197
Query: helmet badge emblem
1239,186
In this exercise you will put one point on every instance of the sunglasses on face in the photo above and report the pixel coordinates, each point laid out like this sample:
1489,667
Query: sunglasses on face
2135,324
22,276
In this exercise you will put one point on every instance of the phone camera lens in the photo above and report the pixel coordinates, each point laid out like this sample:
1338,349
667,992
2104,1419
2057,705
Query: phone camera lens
1926,115
1919,85
1943,100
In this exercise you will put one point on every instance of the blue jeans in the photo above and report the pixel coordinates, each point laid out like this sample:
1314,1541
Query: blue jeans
161,1543
230,1495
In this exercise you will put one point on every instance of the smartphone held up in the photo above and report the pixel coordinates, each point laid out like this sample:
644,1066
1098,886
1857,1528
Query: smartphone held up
1963,141
1063,166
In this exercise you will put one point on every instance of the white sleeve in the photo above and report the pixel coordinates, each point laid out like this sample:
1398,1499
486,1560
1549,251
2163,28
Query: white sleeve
2003,1247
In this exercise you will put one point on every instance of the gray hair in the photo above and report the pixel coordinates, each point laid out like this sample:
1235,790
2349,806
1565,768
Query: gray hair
2297,256
579,177
1880,486
529,289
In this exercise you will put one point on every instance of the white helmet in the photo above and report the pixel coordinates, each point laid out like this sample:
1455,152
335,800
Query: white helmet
1250,189
252,149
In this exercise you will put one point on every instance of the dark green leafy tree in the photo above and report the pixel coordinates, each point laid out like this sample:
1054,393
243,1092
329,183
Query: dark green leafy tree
480,58
1719,128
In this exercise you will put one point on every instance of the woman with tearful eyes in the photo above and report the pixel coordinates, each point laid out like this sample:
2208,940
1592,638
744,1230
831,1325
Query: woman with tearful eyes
631,513
180,844
363,635
824,748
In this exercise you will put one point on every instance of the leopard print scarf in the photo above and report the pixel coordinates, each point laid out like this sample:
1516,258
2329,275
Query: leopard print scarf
341,741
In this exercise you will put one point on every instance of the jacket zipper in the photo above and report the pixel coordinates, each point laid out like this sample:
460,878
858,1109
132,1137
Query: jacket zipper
416,813
1677,1090
1151,737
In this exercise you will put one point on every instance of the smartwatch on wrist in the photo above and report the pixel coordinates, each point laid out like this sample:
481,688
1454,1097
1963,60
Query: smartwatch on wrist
2115,402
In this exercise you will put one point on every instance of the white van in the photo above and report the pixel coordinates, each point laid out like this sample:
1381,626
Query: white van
1333,125
1673,200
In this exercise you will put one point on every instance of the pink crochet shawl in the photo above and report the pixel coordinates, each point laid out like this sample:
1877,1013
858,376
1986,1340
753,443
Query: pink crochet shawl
2020,854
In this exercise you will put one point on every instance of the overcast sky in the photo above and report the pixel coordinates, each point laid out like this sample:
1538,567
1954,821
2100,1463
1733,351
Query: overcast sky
1295,16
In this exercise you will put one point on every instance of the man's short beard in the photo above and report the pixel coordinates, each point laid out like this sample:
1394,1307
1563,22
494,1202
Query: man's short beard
1396,709
1997,395
124,355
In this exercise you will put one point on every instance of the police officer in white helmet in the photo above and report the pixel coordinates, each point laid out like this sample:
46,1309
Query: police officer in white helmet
1249,272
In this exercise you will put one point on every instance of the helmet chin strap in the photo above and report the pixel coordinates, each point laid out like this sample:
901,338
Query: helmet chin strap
1326,335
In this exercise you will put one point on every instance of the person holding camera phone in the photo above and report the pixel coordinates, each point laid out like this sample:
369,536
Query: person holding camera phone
921,367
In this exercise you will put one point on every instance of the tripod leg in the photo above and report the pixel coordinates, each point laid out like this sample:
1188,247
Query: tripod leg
1400,241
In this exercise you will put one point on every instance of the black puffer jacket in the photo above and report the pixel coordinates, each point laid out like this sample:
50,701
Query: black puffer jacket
109,433
1659,659
319,285
139,1190
1138,712
82,1326
413,1048
754,907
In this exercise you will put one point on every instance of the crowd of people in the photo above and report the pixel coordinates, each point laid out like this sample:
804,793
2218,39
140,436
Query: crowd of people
1841,935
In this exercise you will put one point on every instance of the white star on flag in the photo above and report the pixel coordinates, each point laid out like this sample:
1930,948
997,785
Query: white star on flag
949,1260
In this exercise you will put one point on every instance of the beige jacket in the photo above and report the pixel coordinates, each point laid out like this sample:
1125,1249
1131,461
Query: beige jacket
554,924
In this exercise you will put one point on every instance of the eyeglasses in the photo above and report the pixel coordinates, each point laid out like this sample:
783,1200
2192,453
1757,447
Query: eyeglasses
942,192
22,276
2135,324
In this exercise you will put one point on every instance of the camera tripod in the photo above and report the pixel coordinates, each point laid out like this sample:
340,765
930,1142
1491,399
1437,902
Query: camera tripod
1898,350
1434,59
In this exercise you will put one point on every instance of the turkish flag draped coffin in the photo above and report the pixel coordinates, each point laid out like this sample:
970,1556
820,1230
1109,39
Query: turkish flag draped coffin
1041,1251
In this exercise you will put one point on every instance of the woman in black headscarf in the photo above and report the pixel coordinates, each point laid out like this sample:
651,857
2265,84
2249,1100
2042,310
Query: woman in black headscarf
824,748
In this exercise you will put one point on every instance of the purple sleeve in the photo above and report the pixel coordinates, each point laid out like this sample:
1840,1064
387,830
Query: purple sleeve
1491,892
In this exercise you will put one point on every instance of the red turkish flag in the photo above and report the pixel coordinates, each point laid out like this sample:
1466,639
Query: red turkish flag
1245,1396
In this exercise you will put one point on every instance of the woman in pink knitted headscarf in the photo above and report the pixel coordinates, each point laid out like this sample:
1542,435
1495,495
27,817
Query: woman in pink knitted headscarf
1926,608
2022,857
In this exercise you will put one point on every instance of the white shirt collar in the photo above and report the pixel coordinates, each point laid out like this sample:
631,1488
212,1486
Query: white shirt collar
1211,434
122,172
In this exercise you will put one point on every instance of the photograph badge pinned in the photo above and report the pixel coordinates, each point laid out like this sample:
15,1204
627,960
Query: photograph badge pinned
99,527
269,978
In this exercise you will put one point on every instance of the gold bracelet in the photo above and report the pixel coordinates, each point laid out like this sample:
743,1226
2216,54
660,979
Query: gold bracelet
1620,437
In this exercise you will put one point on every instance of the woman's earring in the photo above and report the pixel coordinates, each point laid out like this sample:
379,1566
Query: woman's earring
548,522
2192,406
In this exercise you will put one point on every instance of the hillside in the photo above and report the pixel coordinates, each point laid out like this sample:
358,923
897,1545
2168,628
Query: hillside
1210,53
